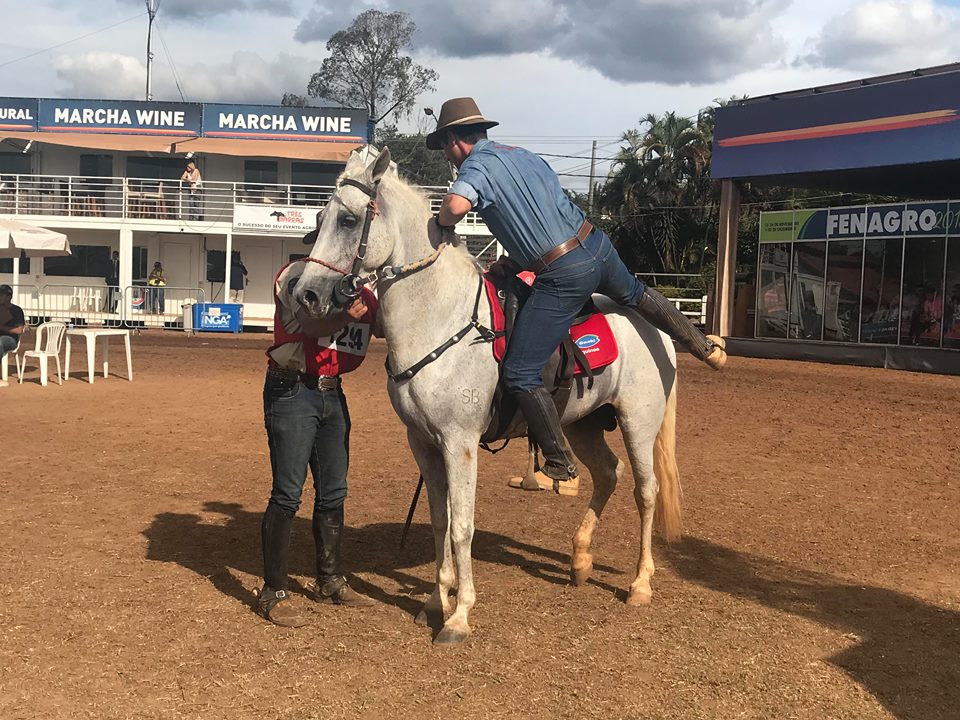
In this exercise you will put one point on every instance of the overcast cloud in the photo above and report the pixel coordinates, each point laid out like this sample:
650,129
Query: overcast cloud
883,35
246,77
179,9
672,41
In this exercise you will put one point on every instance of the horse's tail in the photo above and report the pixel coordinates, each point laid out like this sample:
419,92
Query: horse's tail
668,514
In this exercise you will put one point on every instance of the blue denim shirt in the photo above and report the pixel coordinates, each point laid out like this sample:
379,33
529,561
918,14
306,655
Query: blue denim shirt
519,198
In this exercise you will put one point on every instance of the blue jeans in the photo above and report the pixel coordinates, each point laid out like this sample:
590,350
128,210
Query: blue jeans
556,297
8,343
306,428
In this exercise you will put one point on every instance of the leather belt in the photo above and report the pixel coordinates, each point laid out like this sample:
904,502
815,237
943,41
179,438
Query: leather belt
544,261
313,382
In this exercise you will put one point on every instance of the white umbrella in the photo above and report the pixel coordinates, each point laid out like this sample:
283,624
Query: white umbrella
35,241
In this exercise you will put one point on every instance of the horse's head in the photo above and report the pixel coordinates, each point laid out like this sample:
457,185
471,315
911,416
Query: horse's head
354,208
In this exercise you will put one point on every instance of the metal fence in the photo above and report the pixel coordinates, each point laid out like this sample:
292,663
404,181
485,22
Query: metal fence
165,307
103,305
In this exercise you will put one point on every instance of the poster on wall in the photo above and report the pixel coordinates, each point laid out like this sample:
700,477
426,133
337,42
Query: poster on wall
270,218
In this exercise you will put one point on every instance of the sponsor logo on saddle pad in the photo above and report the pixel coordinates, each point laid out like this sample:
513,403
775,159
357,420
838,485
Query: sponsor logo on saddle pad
588,341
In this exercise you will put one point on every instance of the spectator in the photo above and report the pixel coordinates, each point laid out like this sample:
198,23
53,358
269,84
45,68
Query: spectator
156,281
238,278
112,278
11,324
192,176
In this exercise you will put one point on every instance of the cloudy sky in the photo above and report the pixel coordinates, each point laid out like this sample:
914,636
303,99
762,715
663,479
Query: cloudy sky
555,73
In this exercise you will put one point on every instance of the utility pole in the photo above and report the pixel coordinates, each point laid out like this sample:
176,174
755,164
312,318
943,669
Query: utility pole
593,170
152,6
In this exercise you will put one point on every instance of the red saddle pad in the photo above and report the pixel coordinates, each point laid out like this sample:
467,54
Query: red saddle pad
593,336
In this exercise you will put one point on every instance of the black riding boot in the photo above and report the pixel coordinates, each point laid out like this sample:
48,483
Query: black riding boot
664,315
331,586
543,426
275,536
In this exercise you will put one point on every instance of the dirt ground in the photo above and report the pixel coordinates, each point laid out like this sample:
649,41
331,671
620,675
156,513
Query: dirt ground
819,577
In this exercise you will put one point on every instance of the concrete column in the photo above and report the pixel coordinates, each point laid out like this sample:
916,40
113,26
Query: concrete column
726,257
226,270
126,268
16,279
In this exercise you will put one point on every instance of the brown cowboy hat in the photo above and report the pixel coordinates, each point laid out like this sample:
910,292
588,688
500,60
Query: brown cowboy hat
458,111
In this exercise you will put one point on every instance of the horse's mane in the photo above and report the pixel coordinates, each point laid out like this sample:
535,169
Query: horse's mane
402,193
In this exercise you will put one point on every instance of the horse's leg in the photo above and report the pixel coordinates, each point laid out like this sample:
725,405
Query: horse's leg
460,460
430,461
588,444
639,434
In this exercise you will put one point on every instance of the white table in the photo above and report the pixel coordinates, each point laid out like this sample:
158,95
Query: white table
91,335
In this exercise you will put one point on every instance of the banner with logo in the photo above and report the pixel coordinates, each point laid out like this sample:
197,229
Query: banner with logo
270,218
920,219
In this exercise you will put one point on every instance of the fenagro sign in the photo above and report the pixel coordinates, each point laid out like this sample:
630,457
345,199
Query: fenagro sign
920,219
267,218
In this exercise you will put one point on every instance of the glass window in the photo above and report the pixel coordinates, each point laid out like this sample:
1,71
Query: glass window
881,291
15,164
86,261
140,263
6,265
772,290
260,172
806,291
155,168
921,311
951,310
841,312
96,165
312,182
216,265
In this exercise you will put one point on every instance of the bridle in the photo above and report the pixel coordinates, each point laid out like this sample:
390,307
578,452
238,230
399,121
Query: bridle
348,288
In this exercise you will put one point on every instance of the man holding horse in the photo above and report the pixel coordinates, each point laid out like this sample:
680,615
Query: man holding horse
519,197
308,426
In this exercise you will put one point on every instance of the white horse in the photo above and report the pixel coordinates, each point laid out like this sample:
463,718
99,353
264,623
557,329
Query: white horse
428,292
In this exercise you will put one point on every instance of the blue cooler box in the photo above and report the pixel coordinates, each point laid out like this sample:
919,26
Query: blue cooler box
217,317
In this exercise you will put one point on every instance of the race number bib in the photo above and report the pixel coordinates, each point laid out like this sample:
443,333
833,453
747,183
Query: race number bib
354,339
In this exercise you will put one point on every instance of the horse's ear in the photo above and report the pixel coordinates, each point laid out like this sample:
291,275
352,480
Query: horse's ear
381,164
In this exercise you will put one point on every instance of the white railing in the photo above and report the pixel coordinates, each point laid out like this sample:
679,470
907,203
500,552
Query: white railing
693,308
156,199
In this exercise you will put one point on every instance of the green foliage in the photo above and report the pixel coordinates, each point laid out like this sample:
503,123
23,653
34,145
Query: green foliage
366,67
418,164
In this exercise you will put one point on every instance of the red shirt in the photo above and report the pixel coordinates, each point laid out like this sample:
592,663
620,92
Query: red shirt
327,356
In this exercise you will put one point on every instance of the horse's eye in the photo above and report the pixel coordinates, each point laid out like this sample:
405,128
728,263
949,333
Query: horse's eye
348,221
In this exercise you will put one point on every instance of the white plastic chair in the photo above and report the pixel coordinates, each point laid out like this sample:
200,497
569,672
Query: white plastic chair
54,332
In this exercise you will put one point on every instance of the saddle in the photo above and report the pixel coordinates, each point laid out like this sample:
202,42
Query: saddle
587,349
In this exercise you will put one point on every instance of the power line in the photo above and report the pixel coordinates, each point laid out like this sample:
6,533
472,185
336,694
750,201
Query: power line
173,68
67,42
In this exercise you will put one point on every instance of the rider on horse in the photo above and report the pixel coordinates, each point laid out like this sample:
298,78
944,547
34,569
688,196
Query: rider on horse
520,199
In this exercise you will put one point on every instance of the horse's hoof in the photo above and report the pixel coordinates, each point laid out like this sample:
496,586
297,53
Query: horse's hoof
638,597
450,636
579,576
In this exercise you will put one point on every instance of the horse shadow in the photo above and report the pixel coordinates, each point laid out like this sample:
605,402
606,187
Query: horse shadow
227,539
905,650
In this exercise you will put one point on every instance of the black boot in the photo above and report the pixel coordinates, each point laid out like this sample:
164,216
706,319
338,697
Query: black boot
664,316
275,536
331,586
543,426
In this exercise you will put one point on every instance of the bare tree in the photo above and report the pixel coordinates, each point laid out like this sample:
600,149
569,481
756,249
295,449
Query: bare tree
366,67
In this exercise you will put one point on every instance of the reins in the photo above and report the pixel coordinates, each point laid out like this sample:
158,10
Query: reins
352,282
